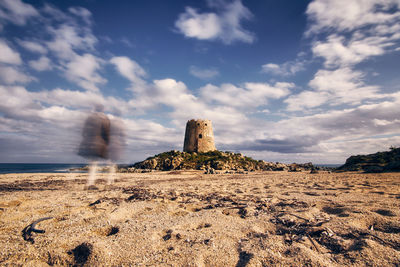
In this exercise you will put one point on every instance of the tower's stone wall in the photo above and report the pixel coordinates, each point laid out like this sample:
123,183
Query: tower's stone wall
199,136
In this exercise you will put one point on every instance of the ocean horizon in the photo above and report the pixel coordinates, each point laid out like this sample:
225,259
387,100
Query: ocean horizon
38,167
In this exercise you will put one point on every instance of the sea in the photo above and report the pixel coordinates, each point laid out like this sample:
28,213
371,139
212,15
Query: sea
328,165
39,167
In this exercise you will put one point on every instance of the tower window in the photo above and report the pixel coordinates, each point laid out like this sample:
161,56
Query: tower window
200,136
206,124
198,124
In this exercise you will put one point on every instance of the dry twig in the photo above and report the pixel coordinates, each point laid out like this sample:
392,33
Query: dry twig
27,231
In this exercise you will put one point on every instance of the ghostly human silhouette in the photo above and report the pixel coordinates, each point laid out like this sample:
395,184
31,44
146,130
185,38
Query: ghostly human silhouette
116,145
95,141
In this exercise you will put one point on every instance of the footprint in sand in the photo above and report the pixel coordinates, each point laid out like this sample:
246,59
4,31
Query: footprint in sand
378,192
385,212
108,230
204,225
179,212
311,193
194,208
387,227
81,253
337,210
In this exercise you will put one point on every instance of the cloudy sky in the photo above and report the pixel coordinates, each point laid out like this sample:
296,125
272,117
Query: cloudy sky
288,81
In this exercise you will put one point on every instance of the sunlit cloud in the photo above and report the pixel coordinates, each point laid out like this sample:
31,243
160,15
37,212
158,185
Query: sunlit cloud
224,25
204,74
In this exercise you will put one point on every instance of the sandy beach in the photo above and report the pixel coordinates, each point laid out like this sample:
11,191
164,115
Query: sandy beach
187,218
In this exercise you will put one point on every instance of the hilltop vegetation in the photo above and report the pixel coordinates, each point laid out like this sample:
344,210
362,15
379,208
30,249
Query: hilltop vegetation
215,160
386,161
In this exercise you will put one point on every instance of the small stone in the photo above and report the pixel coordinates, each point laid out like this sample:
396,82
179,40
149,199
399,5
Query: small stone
167,237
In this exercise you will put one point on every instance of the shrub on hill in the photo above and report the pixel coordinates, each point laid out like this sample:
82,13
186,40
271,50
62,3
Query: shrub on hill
217,160
386,161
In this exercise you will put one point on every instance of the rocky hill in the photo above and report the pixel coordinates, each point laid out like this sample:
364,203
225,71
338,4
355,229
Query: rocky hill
211,162
387,161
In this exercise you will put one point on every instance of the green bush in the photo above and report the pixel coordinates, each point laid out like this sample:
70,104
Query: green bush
377,162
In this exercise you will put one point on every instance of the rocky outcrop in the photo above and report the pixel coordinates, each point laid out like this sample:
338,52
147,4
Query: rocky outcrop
387,161
213,161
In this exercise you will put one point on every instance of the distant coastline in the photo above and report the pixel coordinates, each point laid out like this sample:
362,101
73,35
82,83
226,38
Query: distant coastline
38,167
328,165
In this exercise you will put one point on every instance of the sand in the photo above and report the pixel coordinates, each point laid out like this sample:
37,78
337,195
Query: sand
187,218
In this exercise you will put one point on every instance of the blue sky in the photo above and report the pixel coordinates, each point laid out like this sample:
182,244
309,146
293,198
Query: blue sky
288,81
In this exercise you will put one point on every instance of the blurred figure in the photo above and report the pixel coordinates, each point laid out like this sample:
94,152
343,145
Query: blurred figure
116,145
95,142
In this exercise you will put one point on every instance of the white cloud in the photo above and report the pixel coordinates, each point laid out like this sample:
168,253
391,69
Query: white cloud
171,93
68,38
85,100
359,122
33,46
17,102
83,71
224,25
16,11
23,104
203,73
42,64
285,69
82,13
250,96
337,53
72,45
59,115
127,42
130,69
12,75
344,86
306,100
52,12
201,26
350,32
357,30
168,92
144,133
378,122
347,15
334,134
50,120
271,68
39,131
8,55
69,98
174,94
15,96
279,90
336,87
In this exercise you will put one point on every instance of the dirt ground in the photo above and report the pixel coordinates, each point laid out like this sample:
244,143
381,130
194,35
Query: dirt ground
191,219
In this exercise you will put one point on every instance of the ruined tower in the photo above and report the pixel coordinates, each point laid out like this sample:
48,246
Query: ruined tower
199,136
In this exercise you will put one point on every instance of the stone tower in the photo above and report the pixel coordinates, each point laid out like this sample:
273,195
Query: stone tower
199,136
